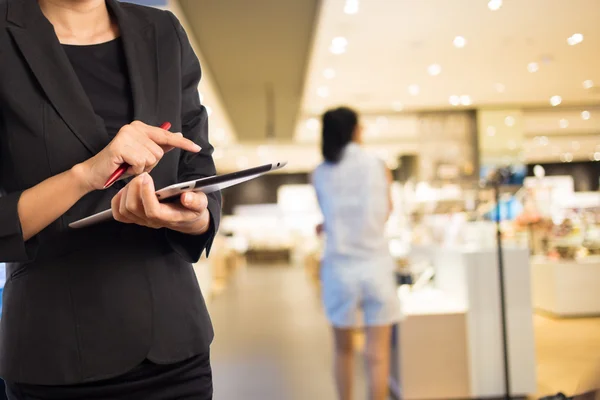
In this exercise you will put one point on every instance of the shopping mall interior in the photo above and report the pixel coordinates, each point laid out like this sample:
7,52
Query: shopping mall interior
452,94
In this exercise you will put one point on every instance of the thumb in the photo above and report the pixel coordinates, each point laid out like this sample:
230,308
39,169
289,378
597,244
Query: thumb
194,201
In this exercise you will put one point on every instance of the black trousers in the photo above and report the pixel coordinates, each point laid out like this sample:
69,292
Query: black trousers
187,380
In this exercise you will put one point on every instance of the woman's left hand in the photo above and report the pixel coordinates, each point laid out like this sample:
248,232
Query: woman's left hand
137,204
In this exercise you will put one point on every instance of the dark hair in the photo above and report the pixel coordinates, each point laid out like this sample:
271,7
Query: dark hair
338,129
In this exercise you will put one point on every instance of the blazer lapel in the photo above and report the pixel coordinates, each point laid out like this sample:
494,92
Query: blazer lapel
139,42
36,39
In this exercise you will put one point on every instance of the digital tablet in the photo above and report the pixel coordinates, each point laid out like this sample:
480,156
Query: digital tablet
205,185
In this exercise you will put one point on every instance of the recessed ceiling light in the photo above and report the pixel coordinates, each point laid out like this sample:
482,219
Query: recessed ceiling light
329,73
588,84
533,67
509,121
555,101
500,88
414,89
397,106
208,110
460,42
585,115
597,156
575,39
351,7
454,100
491,131
465,100
434,69
567,157
494,5
312,124
338,45
323,91
563,123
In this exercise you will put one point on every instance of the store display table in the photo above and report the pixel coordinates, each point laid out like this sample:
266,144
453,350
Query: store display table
450,343
565,288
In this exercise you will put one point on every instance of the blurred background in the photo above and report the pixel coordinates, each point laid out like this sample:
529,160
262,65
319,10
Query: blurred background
449,92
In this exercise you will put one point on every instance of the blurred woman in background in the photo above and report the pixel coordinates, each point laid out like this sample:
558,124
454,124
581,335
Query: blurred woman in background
357,273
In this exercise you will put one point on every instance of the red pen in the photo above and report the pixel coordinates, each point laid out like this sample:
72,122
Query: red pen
121,170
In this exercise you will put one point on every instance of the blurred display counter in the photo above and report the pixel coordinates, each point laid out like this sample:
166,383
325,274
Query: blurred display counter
449,345
566,288
213,273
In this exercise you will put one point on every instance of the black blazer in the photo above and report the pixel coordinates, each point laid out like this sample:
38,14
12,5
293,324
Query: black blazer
90,304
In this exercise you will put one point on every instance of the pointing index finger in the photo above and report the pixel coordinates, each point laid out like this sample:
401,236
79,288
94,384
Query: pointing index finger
165,138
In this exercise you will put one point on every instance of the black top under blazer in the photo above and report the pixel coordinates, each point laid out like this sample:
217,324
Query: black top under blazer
85,305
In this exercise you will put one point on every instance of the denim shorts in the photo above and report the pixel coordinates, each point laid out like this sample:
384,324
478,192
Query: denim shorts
352,287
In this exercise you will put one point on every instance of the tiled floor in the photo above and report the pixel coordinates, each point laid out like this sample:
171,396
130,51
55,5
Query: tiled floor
568,354
272,339
273,342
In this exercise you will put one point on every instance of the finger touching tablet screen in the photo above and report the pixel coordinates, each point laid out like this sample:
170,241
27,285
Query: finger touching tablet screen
205,185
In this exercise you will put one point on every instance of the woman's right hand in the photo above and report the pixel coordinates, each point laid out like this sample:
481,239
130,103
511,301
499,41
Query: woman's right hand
137,144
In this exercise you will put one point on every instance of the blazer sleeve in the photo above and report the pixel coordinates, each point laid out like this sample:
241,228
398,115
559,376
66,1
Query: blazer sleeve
12,246
194,165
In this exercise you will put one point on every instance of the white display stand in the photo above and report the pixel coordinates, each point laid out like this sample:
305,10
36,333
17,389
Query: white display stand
468,279
566,288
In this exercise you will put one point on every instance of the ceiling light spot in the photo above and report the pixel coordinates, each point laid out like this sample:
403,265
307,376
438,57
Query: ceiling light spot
585,115
539,171
465,100
575,39
588,84
351,7
567,157
555,101
500,88
563,123
414,90
397,106
434,69
460,42
597,156
510,121
494,5
329,73
323,91
491,131
338,45
544,141
454,100
533,67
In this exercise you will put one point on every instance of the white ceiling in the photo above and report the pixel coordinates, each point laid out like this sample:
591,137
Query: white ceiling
391,43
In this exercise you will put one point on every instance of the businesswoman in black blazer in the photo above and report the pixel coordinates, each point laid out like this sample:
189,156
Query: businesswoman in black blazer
112,311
